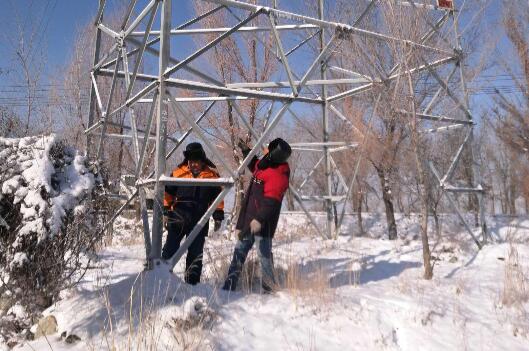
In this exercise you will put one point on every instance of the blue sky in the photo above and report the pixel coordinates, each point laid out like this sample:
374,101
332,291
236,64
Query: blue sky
62,18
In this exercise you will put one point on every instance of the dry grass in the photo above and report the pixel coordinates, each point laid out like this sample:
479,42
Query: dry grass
515,285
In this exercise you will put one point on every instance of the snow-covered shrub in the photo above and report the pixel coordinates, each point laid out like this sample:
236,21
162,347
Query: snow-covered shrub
48,226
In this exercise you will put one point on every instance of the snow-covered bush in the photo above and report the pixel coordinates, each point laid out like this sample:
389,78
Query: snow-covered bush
48,226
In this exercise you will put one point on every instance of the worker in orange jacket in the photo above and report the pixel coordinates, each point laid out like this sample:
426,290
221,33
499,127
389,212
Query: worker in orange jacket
185,205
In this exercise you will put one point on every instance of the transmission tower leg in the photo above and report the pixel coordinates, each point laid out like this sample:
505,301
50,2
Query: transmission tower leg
326,158
161,134
476,172
92,100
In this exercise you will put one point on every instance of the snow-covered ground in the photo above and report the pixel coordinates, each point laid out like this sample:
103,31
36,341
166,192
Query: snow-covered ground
352,293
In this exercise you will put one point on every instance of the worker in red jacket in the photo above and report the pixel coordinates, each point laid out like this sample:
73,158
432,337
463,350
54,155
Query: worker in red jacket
260,212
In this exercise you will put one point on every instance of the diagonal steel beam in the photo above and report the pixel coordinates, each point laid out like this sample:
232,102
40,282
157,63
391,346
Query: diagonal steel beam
139,57
196,128
107,108
209,45
284,59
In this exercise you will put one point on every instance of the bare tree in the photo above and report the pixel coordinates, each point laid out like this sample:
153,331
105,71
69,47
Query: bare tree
513,112
27,52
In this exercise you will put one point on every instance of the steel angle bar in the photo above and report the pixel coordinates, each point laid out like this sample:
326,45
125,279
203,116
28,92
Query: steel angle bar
436,174
277,57
297,196
133,123
102,60
139,58
139,164
136,151
96,91
161,132
332,198
191,85
140,76
364,13
198,227
367,79
100,9
303,42
350,92
419,5
357,90
261,85
307,149
126,127
126,136
107,30
455,189
224,29
284,59
157,39
340,115
209,45
126,18
320,59
455,207
446,89
311,172
476,172
146,90
201,98
107,108
430,105
339,174
437,118
187,181
425,37
203,137
322,23
432,26
198,18
319,143
268,114
140,17
342,148
444,128
93,127
426,66
454,162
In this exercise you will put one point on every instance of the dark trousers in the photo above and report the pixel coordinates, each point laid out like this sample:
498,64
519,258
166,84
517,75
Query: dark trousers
264,251
175,234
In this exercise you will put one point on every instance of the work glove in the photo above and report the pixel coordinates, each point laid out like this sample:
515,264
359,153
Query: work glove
217,225
165,222
255,227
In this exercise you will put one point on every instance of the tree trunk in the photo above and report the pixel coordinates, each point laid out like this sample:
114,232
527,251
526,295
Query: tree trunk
359,215
290,201
388,203
437,223
428,269
512,198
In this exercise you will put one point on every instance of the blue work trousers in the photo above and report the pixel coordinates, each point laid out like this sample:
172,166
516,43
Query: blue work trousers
264,250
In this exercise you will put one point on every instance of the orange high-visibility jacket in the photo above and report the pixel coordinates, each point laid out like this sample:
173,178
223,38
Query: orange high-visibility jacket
176,197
